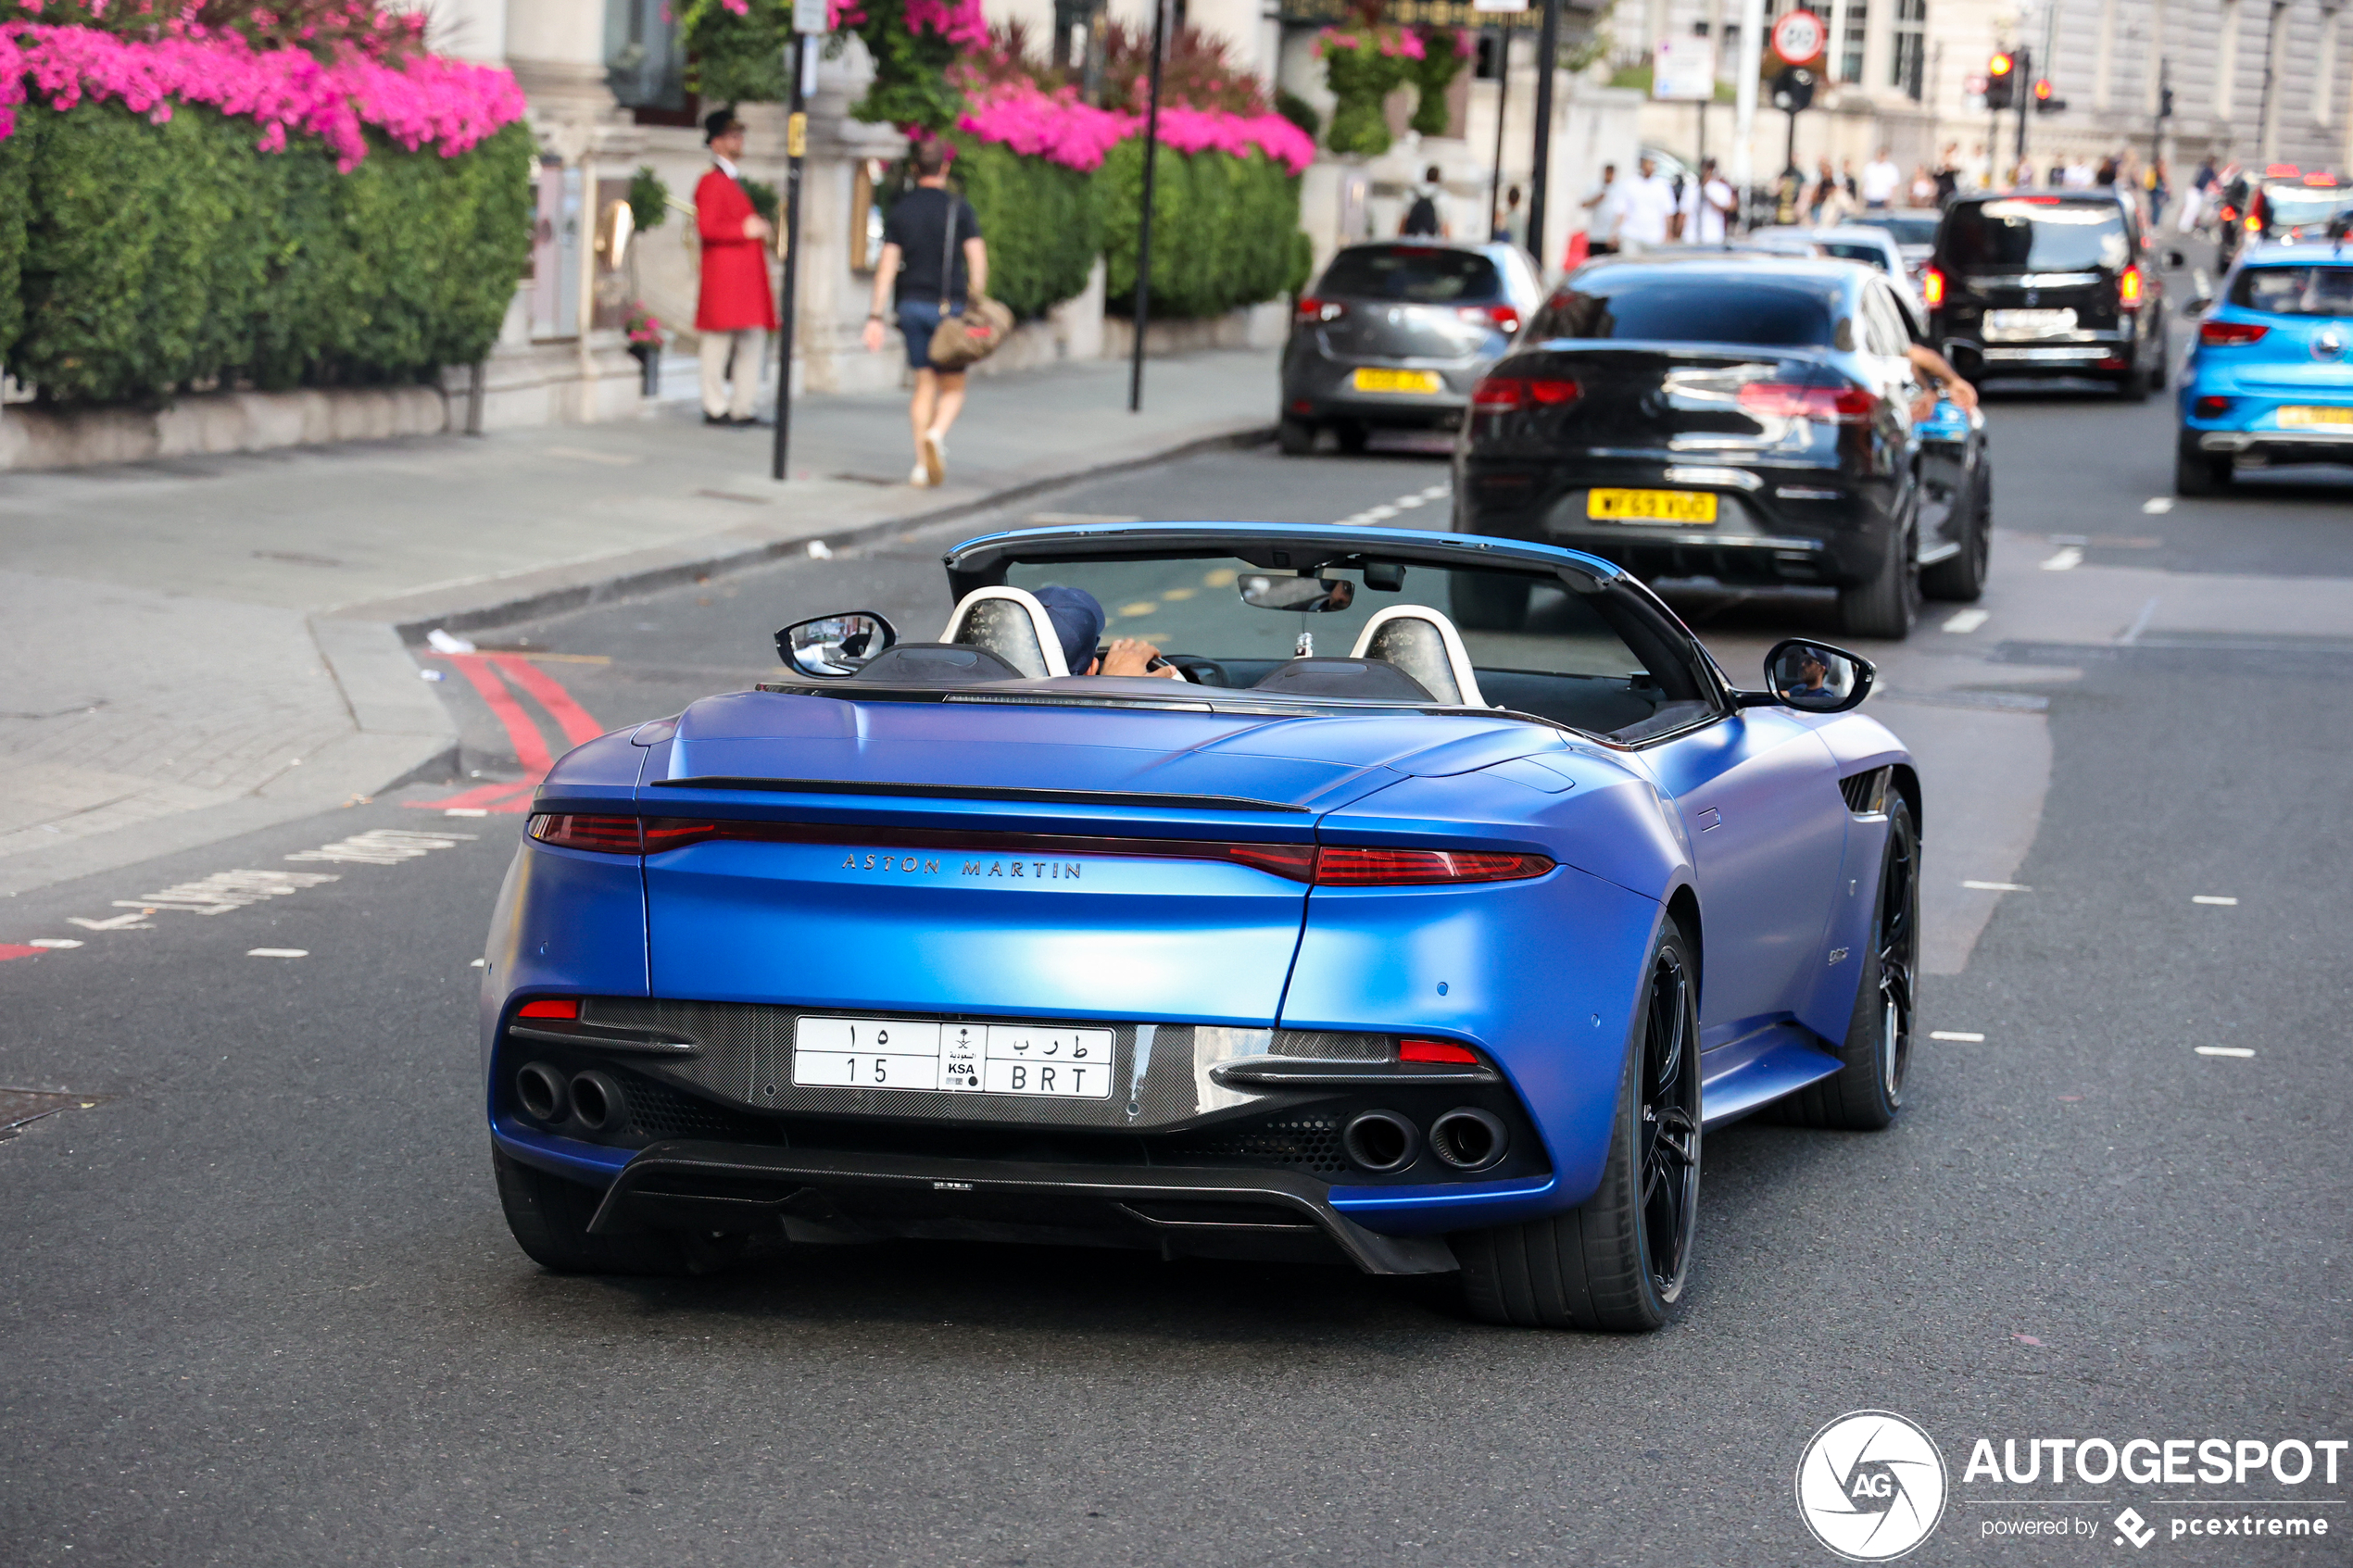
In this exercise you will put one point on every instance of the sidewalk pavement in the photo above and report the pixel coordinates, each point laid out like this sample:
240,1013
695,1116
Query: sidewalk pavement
199,647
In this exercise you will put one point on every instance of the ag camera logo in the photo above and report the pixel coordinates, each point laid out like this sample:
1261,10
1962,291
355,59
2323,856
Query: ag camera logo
1870,1486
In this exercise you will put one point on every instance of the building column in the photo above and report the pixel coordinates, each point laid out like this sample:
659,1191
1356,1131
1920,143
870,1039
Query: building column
2226,64
2104,58
1878,36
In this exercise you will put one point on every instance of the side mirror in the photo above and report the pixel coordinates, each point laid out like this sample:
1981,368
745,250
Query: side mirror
1813,678
834,646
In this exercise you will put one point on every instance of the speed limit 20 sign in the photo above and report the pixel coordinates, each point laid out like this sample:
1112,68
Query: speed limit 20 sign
1799,37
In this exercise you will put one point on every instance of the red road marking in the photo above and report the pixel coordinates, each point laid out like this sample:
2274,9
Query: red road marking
531,747
10,950
577,725
502,799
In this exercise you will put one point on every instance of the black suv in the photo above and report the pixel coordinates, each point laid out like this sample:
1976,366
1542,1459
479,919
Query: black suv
2048,283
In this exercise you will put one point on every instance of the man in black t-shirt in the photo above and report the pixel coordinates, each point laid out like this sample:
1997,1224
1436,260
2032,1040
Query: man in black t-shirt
933,259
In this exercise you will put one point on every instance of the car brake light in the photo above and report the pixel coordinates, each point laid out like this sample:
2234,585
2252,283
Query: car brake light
606,835
1437,1050
1932,288
1314,309
1501,395
2229,213
1399,868
2226,334
1503,316
551,1007
1824,404
2212,408
2254,224
2128,289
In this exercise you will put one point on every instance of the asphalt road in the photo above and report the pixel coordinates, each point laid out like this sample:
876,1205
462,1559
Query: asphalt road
261,1307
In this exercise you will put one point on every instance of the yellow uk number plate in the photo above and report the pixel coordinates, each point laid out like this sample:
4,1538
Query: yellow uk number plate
1651,505
1423,382
2316,419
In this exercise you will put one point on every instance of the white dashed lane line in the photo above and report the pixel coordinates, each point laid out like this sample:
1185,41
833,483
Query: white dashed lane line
1959,1036
2223,1051
2158,506
1999,886
1966,619
2213,898
1389,509
277,952
2067,558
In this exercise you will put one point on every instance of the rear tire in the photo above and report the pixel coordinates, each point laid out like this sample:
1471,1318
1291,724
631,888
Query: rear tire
1352,436
2197,475
2133,386
1961,579
1868,1089
1619,1263
2156,366
550,1218
1296,437
1886,606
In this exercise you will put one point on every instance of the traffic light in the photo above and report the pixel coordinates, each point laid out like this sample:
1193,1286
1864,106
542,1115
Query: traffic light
2001,81
2044,101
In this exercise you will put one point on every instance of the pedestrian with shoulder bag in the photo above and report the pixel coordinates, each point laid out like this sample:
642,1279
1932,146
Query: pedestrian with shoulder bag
934,267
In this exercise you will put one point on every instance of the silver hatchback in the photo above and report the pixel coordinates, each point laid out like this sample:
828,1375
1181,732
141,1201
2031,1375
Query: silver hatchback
1396,333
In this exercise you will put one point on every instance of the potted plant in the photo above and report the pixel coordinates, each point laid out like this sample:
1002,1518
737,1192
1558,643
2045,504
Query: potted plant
645,341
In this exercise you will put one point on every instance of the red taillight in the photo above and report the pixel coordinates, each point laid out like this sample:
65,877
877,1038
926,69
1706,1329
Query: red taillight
1932,288
2210,408
1314,309
1503,395
1503,316
1824,405
608,835
551,1007
2226,334
1296,861
1437,1050
1399,868
2128,289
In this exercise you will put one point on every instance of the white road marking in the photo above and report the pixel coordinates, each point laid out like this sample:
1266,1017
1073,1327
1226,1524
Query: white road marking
2065,559
382,846
2223,1051
1998,886
277,952
476,965
53,942
465,811
1967,620
819,550
1962,1035
2212,899
2158,506
2140,622
1438,492
1378,514
1404,501
224,891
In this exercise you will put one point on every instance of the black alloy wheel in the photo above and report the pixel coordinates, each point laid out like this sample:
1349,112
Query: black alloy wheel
1668,1137
1888,604
1294,436
1961,578
2196,474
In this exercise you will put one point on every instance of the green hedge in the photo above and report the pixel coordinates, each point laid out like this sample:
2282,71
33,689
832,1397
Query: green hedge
14,165
1222,229
157,256
1043,223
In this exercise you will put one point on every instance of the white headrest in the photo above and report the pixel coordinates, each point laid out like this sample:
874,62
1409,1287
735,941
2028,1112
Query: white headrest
1424,645
1010,624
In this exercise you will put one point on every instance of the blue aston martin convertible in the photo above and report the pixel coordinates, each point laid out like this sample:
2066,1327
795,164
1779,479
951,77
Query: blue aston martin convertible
1418,910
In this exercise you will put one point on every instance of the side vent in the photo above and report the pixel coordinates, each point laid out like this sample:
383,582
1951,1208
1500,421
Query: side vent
1866,792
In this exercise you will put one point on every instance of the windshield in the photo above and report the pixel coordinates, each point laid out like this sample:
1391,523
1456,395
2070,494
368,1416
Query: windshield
2297,206
1698,308
1422,274
1854,250
1533,646
1908,231
2037,234
2296,291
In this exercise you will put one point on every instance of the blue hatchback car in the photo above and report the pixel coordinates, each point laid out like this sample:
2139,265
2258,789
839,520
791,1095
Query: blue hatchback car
1350,935
2269,380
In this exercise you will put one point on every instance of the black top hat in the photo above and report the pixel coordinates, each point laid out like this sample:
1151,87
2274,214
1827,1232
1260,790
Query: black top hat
717,123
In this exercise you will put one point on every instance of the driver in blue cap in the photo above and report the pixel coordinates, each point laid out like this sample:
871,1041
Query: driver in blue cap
1078,618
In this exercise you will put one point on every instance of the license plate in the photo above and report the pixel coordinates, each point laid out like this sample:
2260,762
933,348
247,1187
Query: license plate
2316,419
2012,326
989,1059
1422,382
1651,505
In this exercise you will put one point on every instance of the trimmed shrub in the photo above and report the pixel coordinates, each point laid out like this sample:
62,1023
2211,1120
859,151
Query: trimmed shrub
1222,229
1042,222
14,165
159,256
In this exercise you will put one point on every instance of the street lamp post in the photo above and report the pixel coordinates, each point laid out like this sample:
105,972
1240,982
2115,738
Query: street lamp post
1548,44
1144,229
808,18
1503,102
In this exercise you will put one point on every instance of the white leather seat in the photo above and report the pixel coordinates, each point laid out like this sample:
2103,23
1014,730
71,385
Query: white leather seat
1010,624
1424,645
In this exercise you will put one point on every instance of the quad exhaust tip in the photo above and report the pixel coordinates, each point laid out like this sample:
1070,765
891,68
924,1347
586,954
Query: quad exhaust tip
1468,1138
596,1100
539,1088
1381,1141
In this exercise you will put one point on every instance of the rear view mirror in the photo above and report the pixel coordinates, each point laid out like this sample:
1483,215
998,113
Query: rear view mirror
1307,596
1817,678
834,646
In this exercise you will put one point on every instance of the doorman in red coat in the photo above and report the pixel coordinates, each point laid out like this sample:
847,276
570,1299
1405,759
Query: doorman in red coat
734,313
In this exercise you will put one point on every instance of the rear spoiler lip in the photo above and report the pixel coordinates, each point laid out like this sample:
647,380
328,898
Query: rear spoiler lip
1016,794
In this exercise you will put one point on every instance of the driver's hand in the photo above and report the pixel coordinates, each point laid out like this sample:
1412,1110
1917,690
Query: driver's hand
1964,395
1133,656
